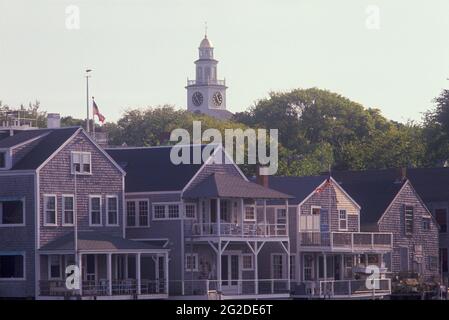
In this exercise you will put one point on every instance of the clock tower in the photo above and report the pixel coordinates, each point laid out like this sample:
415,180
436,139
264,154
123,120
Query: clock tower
207,94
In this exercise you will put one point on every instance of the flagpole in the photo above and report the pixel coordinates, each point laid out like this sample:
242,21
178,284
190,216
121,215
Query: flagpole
87,99
93,120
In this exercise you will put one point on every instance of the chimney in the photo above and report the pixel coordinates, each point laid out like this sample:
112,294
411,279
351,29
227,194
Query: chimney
401,174
263,176
53,121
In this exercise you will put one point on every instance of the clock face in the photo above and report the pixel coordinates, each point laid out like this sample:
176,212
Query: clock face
217,98
197,99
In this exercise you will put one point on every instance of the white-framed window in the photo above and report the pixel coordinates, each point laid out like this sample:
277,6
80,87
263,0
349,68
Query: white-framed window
166,211
315,210
408,218
68,209
248,262
308,267
137,213
342,220
190,210
95,211
277,266
250,213
12,213
173,211
12,266
112,210
81,162
54,267
50,207
191,262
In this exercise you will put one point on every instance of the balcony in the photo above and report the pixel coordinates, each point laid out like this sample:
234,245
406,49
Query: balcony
206,82
346,241
244,230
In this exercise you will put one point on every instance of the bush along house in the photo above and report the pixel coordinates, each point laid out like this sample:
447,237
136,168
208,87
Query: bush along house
391,204
54,182
213,220
330,256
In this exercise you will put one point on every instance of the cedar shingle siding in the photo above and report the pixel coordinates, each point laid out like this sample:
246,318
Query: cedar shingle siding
393,221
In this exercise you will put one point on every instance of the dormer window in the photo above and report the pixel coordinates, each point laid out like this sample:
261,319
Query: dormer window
2,159
81,163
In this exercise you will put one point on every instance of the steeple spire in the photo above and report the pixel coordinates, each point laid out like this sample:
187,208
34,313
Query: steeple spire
205,29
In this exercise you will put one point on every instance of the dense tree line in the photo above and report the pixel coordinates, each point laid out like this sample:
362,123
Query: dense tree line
318,129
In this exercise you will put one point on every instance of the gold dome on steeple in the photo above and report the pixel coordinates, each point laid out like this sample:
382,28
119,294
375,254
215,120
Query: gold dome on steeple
205,43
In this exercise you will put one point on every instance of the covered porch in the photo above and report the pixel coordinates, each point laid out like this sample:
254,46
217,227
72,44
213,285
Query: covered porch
110,268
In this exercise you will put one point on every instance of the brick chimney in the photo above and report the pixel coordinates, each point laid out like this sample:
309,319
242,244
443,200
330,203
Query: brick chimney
53,121
263,176
401,174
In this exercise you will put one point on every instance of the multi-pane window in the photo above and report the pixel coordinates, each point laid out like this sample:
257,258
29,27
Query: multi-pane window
143,213
441,216
163,211
342,220
190,210
68,208
408,218
12,266
426,223
308,267
247,262
50,210
11,212
112,210
81,162
130,213
173,211
191,262
250,213
95,210
159,211
54,267
315,211
277,266
432,263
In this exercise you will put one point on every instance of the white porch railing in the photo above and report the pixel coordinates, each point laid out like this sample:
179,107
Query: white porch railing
354,288
347,240
239,230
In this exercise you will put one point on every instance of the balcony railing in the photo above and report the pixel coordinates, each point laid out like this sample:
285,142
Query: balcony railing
206,82
238,230
335,289
346,240
101,288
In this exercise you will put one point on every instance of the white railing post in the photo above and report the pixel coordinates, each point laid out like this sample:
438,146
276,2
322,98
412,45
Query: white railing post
331,239
372,240
350,288
352,241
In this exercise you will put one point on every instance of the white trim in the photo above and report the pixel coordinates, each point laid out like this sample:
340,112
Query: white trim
137,213
95,196
243,255
17,172
314,207
185,210
64,196
255,212
284,257
340,220
116,211
49,267
195,258
123,208
81,155
46,196
13,253
151,193
23,214
8,158
345,193
166,210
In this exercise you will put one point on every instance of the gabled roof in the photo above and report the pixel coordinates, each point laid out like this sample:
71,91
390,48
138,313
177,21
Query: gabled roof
432,184
151,169
95,241
227,186
46,146
21,137
374,190
299,187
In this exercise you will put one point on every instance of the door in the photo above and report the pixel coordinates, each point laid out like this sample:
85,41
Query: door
160,274
89,268
230,273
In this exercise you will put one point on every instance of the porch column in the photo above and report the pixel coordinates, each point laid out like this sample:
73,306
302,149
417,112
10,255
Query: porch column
218,218
166,273
138,276
256,266
266,228
219,266
288,267
109,270
342,266
325,266
242,210
80,264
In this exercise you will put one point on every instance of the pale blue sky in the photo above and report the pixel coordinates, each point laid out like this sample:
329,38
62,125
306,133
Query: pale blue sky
142,51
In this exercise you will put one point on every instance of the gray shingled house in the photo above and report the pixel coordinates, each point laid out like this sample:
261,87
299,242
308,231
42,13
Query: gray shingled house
330,255
213,220
56,181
